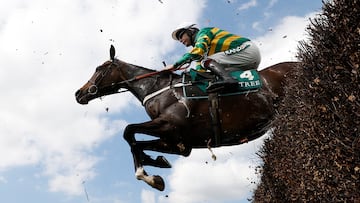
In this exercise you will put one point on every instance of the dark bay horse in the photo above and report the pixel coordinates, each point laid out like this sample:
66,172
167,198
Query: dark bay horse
180,123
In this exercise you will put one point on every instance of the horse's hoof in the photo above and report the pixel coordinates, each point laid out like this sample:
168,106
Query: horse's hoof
162,162
158,183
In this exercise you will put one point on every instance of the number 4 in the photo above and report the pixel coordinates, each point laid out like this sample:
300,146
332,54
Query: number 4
247,74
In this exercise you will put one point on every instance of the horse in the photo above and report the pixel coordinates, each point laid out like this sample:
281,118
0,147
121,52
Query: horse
180,123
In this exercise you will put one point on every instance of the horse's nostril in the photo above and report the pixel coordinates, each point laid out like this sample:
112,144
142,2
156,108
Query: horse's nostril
77,93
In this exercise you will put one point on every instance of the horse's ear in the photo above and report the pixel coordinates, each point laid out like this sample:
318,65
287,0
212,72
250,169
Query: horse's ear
112,52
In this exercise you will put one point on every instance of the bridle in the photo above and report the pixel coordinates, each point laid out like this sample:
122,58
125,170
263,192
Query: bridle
93,89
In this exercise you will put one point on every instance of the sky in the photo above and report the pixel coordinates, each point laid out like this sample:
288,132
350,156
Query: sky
53,149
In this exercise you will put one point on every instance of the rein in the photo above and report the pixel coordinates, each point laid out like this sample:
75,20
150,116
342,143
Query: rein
94,87
146,75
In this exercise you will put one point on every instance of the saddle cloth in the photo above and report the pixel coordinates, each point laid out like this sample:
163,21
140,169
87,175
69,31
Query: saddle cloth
197,82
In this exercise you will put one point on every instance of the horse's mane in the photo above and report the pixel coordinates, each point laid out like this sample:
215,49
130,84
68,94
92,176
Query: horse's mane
149,69
134,65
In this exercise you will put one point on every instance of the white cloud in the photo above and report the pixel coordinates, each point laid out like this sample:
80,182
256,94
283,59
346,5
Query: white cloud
257,26
281,42
247,5
147,196
198,178
271,3
49,49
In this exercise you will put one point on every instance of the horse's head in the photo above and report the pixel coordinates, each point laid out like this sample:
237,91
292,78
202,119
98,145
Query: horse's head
106,80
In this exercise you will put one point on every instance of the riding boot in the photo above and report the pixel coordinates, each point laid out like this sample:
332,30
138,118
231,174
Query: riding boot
225,81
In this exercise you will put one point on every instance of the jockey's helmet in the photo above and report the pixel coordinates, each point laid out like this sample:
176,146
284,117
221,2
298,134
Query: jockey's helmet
187,27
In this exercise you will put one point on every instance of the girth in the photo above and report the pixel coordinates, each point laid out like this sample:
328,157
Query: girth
215,119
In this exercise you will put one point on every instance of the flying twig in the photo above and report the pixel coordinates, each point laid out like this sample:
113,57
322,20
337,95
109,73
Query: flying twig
87,196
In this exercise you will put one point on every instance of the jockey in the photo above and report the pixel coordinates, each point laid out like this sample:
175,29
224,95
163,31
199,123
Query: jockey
216,48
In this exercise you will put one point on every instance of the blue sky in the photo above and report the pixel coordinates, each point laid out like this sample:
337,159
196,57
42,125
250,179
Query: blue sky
55,150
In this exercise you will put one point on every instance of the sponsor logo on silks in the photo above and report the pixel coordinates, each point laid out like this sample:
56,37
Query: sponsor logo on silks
237,49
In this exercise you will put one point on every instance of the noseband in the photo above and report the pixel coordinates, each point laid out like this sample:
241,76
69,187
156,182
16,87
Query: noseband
93,89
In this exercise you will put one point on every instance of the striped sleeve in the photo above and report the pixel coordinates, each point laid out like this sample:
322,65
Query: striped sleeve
202,43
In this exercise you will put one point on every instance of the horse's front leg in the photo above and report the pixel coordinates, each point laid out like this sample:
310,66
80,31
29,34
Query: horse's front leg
168,125
163,146
150,128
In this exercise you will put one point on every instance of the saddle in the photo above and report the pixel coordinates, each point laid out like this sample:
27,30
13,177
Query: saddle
196,83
